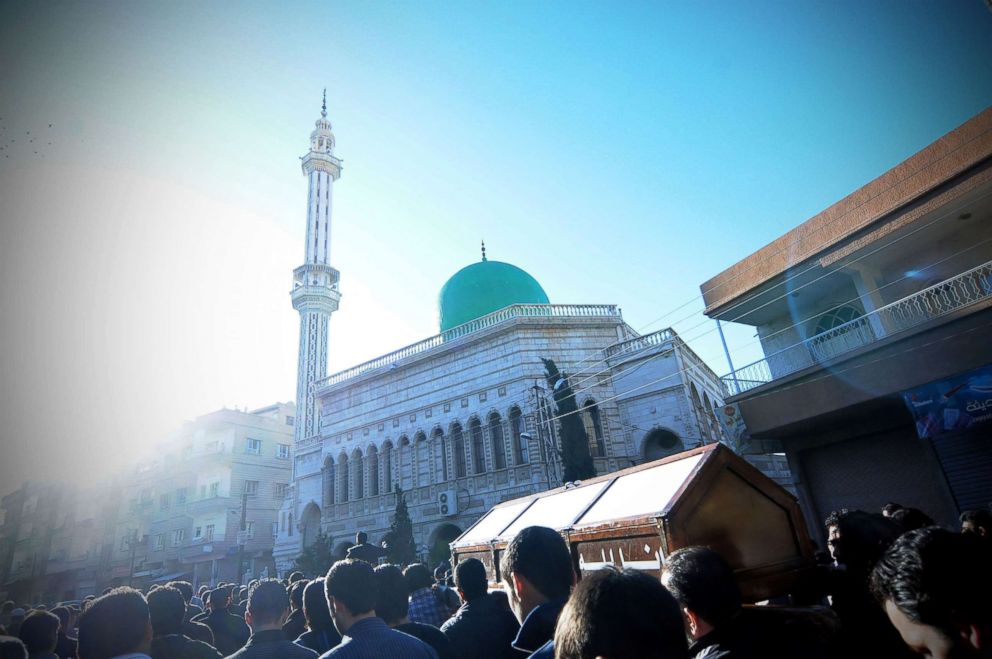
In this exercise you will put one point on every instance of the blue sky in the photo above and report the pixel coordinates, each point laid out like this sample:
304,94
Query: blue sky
620,152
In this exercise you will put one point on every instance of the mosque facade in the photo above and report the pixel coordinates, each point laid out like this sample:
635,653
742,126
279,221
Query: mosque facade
465,419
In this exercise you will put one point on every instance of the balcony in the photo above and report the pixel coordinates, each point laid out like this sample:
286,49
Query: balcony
901,317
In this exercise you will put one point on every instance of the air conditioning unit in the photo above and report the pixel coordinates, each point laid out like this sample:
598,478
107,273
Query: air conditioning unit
447,503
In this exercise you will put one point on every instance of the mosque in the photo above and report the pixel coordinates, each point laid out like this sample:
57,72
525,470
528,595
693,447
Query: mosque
465,419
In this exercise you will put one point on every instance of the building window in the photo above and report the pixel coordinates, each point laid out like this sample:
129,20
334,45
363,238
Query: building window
343,461
181,496
214,489
458,449
178,536
496,439
289,524
422,459
327,476
387,465
125,542
251,488
253,446
478,446
442,449
373,458
163,502
520,452
249,530
197,532
209,532
359,462
281,489
290,420
282,451
160,542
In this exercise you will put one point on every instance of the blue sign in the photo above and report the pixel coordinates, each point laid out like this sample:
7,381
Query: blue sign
953,404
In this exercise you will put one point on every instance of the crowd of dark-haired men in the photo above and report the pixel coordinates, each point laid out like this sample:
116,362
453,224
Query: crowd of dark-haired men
894,584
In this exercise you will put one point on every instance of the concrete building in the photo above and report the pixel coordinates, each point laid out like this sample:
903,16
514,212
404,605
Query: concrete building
464,419
181,512
874,321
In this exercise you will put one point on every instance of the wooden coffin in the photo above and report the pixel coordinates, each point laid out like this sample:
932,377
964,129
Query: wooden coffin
635,518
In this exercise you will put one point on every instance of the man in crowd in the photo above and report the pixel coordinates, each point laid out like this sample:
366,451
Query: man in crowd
267,610
65,647
40,633
935,588
351,595
363,551
481,628
230,631
296,623
392,605
115,625
195,630
11,648
426,606
321,634
167,608
978,522
537,573
620,614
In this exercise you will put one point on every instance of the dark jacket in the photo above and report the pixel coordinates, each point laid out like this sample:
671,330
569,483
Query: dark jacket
371,638
178,646
272,644
230,632
481,629
198,632
430,635
295,625
539,626
366,552
65,647
319,640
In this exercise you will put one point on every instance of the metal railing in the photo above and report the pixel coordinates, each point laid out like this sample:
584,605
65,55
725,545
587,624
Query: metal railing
507,313
939,300
640,343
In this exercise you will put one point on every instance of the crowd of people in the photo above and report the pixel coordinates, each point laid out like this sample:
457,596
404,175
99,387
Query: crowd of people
894,584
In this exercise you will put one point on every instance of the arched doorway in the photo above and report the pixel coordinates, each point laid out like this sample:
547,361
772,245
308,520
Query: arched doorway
310,524
659,443
440,538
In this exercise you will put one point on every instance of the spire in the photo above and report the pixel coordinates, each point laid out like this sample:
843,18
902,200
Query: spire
323,106
484,250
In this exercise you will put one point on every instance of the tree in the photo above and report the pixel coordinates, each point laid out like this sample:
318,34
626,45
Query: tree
400,547
576,461
315,560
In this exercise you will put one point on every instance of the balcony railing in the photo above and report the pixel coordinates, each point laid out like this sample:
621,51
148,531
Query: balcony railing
640,343
507,313
939,300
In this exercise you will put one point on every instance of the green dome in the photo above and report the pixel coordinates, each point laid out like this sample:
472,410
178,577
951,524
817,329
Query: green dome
485,287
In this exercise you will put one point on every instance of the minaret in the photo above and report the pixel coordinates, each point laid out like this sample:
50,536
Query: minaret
315,283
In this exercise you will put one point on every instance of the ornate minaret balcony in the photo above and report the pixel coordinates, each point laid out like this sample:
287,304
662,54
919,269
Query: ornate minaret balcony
315,288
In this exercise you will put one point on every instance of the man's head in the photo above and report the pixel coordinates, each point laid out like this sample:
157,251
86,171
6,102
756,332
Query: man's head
219,598
315,609
857,539
40,632
167,609
704,586
361,537
536,567
64,615
12,648
296,595
268,606
114,624
417,577
471,579
910,519
889,508
393,602
978,522
935,586
620,614
296,576
351,592
184,587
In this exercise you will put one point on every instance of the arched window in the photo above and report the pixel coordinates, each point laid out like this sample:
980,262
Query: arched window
343,463
290,524
442,450
697,405
520,452
423,459
327,476
659,443
594,429
373,459
496,441
405,466
458,449
359,467
835,318
478,446
387,466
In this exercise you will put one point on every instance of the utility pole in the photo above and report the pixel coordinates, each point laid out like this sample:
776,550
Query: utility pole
242,536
